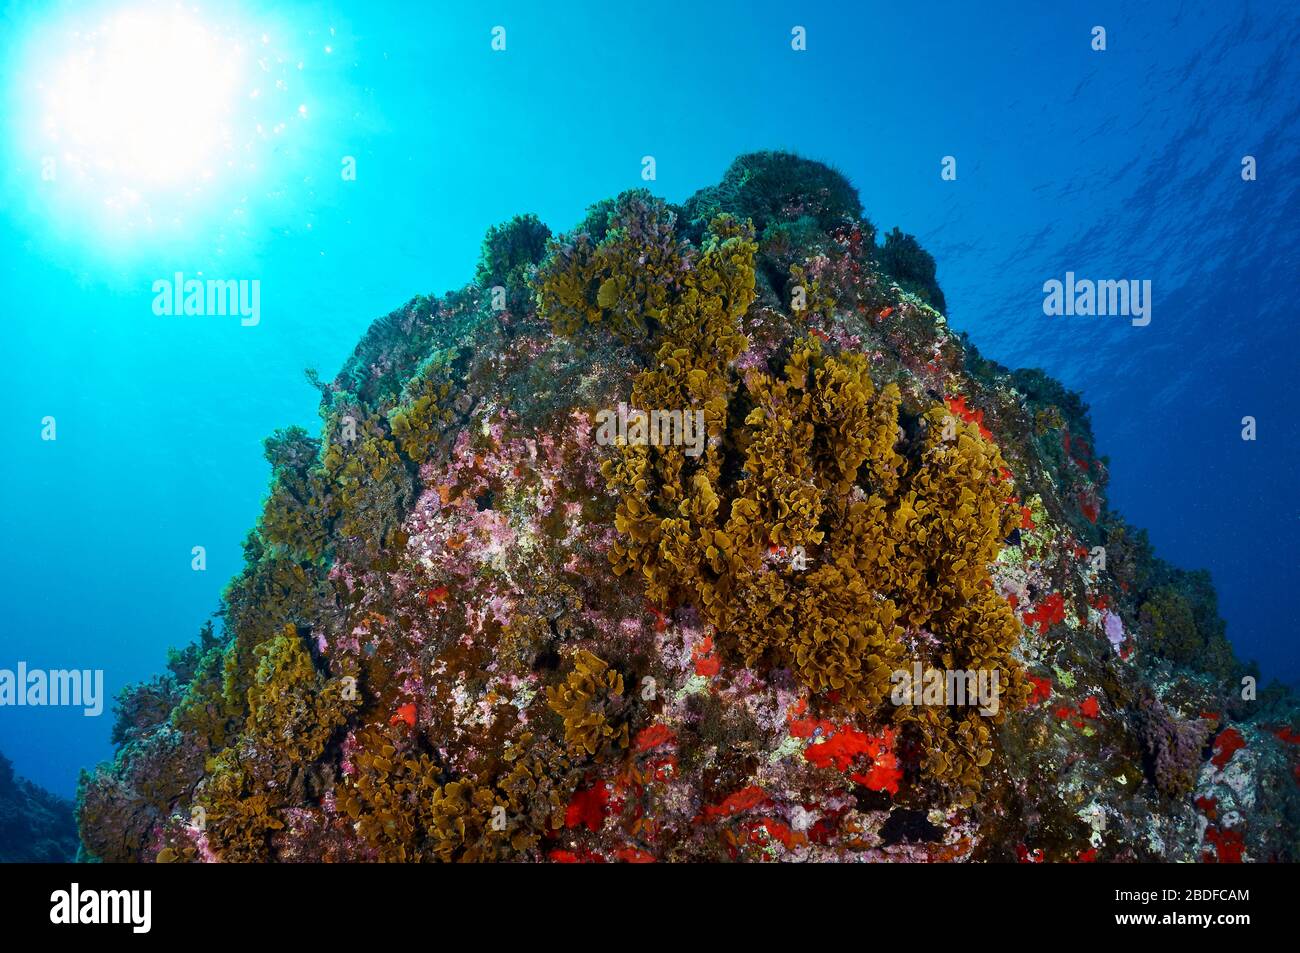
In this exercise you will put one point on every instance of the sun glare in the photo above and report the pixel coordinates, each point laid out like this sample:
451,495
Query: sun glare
156,121
146,100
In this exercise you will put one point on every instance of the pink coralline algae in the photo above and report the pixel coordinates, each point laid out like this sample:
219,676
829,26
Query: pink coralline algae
1114,628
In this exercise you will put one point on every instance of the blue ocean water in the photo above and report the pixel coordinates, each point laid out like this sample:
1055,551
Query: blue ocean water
1122,163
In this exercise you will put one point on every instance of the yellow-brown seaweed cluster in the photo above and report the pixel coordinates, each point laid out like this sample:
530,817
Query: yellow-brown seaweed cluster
418,420
587,700
407,810
293,711
948,525
836,541
620,279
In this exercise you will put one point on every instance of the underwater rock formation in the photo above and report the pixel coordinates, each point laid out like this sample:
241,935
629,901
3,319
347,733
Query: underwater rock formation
35,825
471,628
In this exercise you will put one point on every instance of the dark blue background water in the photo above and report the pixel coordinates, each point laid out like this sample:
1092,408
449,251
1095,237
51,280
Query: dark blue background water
1116,164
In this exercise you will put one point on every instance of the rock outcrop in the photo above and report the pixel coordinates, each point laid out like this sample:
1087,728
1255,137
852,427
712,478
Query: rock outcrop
491,612
35,825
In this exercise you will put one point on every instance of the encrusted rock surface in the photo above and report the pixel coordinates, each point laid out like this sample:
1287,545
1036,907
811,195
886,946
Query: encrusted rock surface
35,825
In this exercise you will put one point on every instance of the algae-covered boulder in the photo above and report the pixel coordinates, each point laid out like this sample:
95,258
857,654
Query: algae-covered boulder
35,825
697,534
